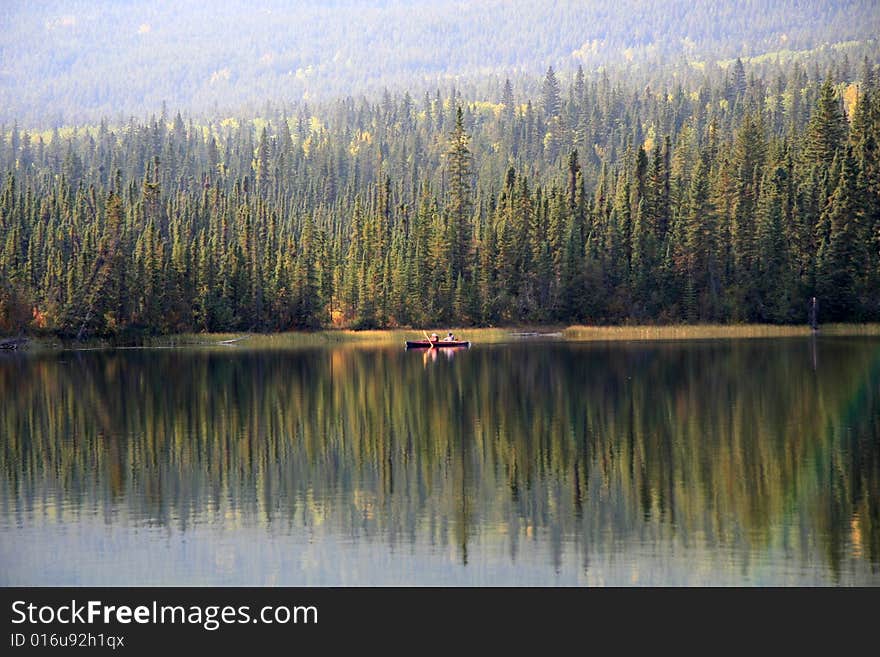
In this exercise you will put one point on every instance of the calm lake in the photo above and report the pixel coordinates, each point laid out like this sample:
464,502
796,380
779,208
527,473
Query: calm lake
729,462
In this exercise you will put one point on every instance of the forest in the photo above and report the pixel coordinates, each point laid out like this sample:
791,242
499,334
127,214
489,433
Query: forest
731,194
65,62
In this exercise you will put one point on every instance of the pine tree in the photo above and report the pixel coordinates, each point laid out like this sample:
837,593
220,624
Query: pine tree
551,96
773,268
837,261
698,233
262,163
508,101
460,204
827,129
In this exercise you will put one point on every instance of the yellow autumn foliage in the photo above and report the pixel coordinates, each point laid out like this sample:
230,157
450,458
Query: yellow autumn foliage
850,98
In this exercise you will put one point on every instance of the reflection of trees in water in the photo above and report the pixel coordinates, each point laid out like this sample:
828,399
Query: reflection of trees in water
591,445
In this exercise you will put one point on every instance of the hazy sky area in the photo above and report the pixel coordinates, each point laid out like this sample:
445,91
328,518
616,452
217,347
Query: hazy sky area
82,59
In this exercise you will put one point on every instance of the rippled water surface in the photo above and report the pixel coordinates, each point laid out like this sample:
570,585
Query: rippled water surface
702,462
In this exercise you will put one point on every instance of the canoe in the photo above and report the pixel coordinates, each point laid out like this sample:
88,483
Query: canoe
424,344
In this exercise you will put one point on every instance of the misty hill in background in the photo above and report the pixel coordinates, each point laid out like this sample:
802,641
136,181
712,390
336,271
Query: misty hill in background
67,62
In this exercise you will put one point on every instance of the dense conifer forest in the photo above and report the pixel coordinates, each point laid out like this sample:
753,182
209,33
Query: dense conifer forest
733,193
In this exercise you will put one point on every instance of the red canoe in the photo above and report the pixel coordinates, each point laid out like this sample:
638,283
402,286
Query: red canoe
424,344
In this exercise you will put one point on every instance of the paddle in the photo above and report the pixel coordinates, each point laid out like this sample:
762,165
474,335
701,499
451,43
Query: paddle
430,342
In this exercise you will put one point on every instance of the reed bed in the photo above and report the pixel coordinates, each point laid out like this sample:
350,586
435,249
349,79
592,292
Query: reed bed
710,331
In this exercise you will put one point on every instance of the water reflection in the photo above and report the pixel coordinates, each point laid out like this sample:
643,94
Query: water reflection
431,355
666,463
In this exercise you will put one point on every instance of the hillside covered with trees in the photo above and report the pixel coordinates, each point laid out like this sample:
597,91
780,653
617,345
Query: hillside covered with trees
734,198
693,190
65,62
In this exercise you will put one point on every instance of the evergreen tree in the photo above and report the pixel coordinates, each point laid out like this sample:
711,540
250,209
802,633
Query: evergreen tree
827,128
837,261
460,197
551,95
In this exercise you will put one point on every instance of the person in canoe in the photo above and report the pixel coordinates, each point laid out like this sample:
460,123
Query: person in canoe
433,341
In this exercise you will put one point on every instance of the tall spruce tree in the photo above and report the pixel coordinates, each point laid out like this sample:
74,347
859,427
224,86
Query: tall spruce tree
460,204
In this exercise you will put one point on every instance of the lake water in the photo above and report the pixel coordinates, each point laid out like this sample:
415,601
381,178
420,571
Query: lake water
736,462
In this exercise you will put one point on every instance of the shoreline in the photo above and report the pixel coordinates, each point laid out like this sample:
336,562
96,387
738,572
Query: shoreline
381,337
